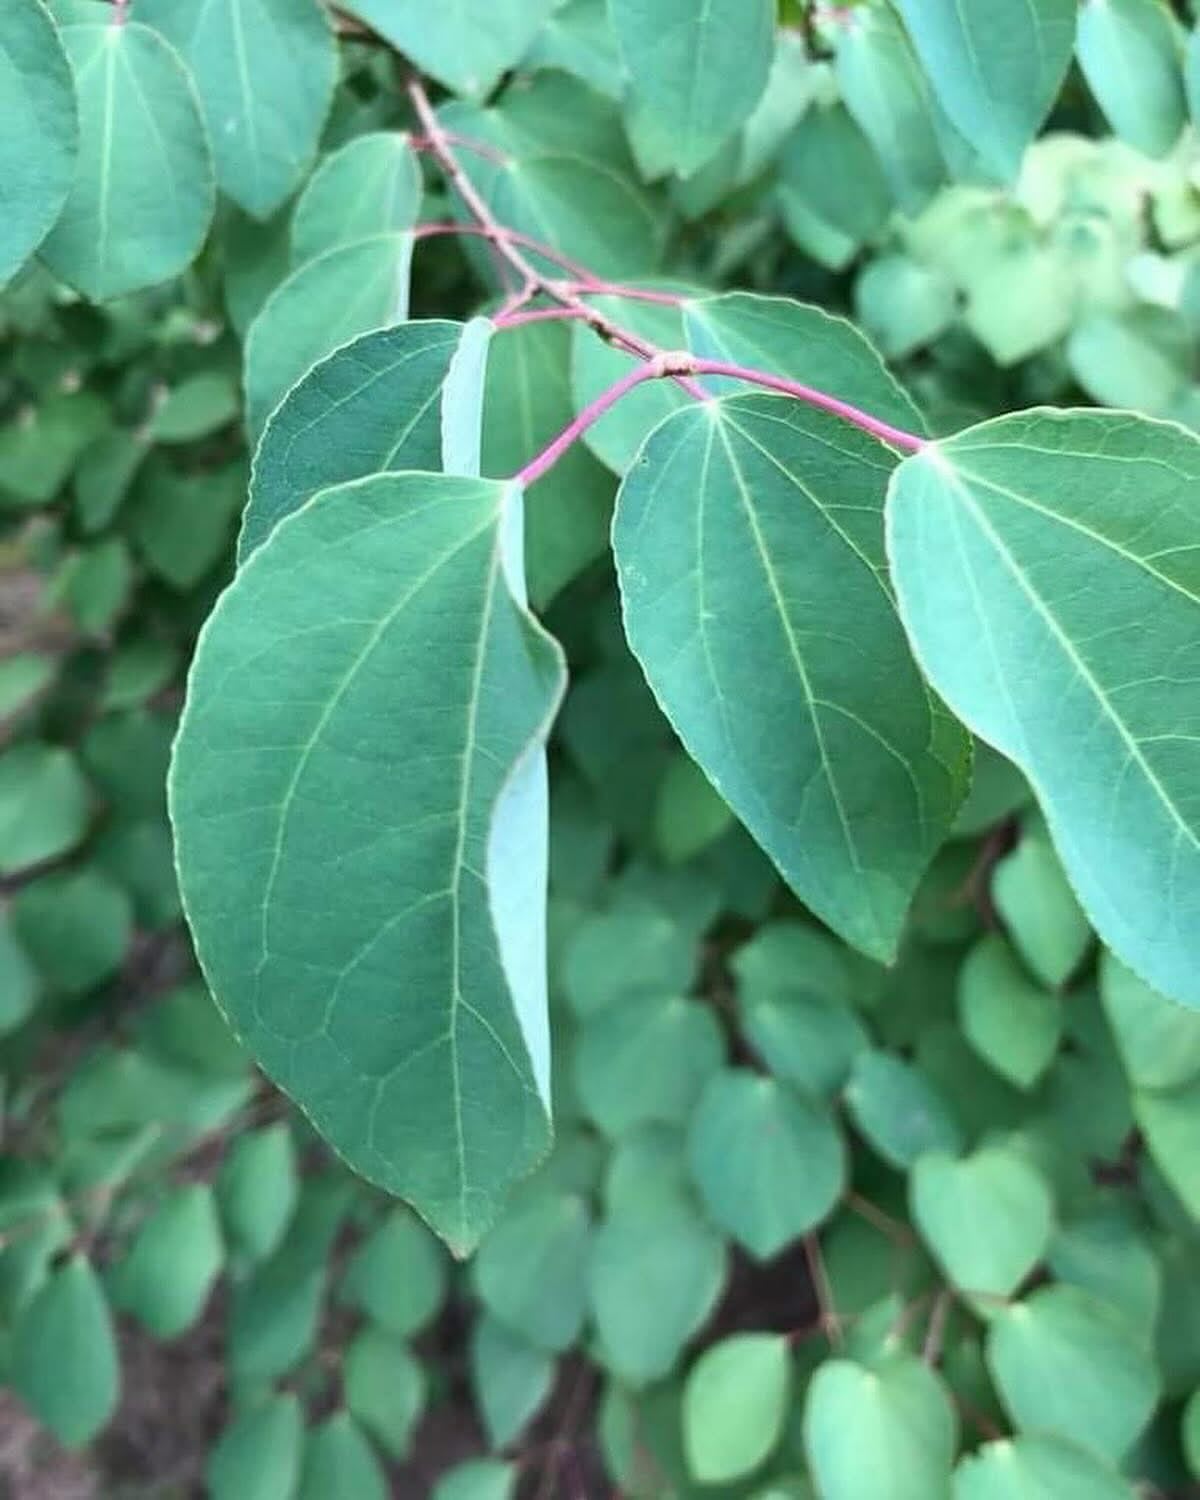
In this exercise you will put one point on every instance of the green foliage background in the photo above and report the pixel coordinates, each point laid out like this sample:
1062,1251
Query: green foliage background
811,1225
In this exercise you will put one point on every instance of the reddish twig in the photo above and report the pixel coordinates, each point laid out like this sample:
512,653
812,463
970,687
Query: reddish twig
830,1323
653,369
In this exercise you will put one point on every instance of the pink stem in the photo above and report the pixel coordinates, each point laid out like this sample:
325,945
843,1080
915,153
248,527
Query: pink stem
467,142
631,293
886,433
588,417
498,235
681,365
516,317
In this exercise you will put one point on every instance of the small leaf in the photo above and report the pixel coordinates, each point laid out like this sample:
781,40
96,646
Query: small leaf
832,190
408,985
41,131
370,407
986,1218
734,1404
1002,540
44,805
1065,1363
340,1464
198,406
265,71
1170,1121
349,290
1131,55
76,928
257,1189
258,1454
770,1164
371,186
888,1431
678,57
64,1355
1043,917
1034,1464
133,217
385,1389
1159,1041
645,1059
898,1110
656,1272
168,1273
531,1269
18,980
1106,1253
1012,1023
1191,1434
633,952
478,1479
996,68
511,1379
398,1275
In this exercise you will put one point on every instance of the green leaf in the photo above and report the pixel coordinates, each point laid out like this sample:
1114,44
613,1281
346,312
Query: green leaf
186,1030
134,217
41,131
64,1355
1034,1464
340,1464
257,1189
76,928
1191,1434
265,72
103,475
371,186
1035,899
1106,1253
511,1379
432,989
477,1479
832,190
1170,1121
997,791
799,342
531,1269
18,980
94,584
1066,1363
987,1218
182,522
467,45
258,1454
898,1110
718,532
370,407
39,450
770,1164
44,805
23,679
734,1404
1002,541
678,59
1159,1041
385,1389
349,290
527,404
645,1059
689,816
656,1272
165,1279
1013,1024
1131,53
884,89
996,69
887,1430
634,952
397,1276
1139,358
198,406
902,304
578,39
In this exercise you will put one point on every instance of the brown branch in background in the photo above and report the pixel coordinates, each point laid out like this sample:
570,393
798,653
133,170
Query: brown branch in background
828,1320
931,1353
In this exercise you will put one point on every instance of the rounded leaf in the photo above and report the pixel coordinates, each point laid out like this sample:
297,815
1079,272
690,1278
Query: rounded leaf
734,1404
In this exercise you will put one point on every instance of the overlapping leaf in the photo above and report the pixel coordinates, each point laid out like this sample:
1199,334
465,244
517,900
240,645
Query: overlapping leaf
1047,570
369,744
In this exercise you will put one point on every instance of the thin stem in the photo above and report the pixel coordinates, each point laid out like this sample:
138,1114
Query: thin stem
884,431
830,1323
120,12
515,317
465,143
591,414
486,232
936,1332
593,288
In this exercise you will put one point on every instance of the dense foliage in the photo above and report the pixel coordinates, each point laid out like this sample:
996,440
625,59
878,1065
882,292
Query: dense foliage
707,817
